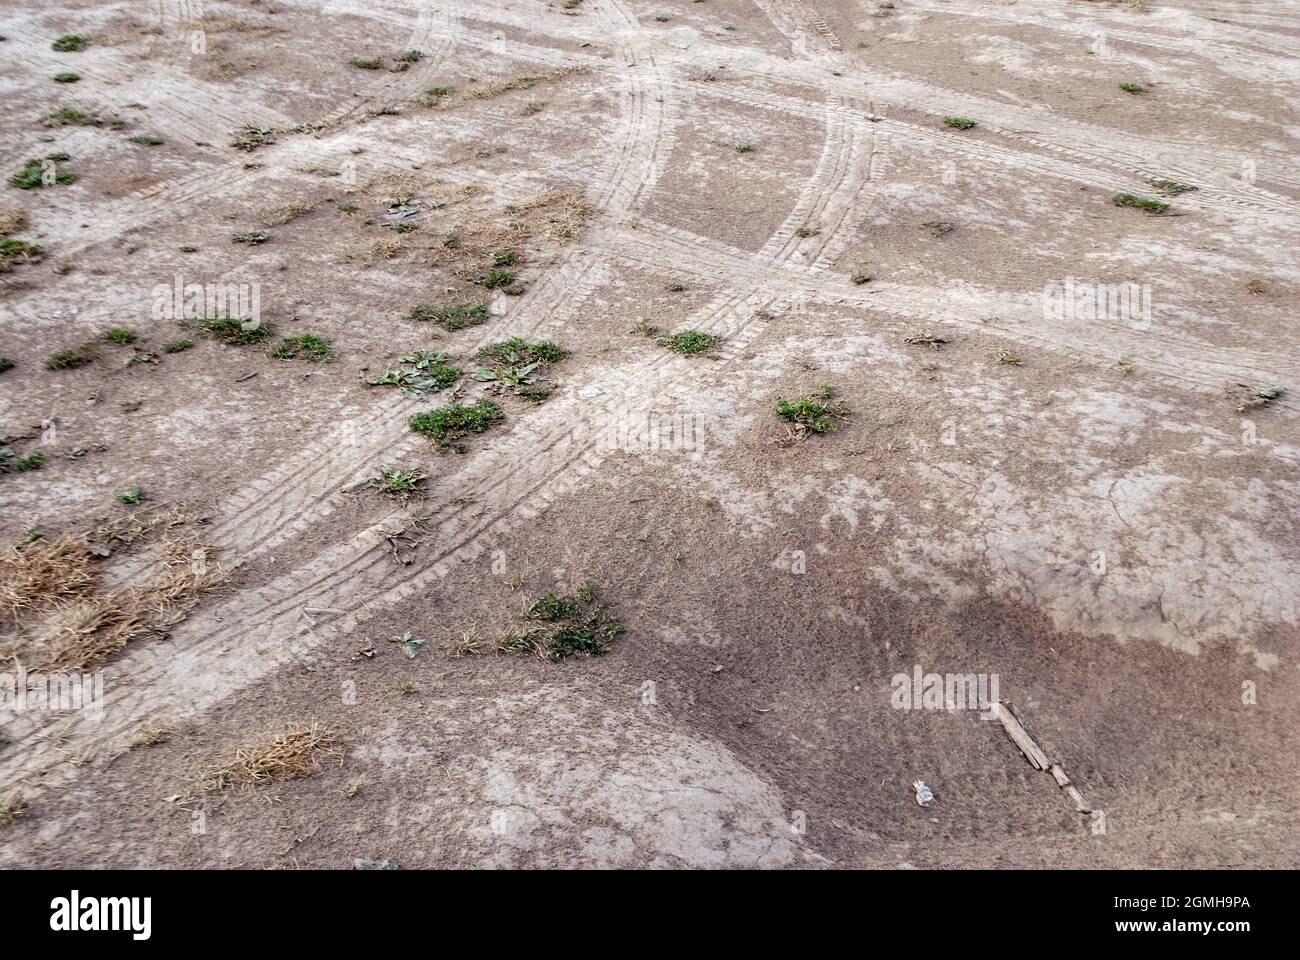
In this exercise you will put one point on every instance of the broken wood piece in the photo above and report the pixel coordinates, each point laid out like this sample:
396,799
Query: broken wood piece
1079,803
1061,779
1032,751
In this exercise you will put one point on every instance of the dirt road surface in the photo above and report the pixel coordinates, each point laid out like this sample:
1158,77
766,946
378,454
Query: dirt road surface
988,370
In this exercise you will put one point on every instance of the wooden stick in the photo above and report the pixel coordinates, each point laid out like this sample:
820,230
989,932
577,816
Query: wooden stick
1032,751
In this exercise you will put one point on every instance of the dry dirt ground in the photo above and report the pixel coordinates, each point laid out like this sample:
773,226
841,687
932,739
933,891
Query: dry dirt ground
1109,525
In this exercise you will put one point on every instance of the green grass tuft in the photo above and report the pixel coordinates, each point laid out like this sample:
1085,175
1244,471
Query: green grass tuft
236,331
118,336
131,497
453,318
14,252
12,463
304,346
69,43
959,123
1171,187
581,625
32,175
690,343
448,424
72,357
1142,203
518,350
68,117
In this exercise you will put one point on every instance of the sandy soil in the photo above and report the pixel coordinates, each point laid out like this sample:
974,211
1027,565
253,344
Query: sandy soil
1108,525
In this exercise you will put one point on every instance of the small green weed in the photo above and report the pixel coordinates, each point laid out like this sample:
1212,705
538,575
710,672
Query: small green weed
304,346
816,413
1142,203
420,372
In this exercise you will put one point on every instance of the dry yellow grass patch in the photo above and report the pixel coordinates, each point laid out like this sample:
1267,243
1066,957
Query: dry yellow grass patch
278,216
212,24
290,755
12,806
385,249
61,614
41,572
11,221
494,88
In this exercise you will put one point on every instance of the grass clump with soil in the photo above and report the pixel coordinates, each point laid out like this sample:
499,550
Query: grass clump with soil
12,807
14,252
395,482
73,357
815,413
959,123
690,343
249,139
518,366
1171,188
235,331
304,346
71,117
577,625
10,462
70,43
1141,203
32,176
118,336
1253,398
446,425
455,317
518,350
